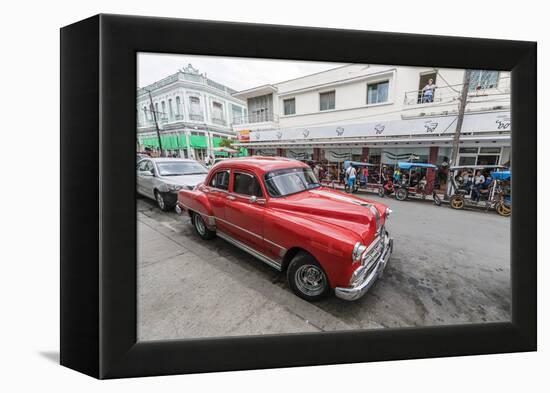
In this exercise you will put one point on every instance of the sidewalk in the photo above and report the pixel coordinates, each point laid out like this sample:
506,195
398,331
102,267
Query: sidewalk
188,290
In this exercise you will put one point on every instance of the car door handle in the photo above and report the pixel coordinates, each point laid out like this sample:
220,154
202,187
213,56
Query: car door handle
231,197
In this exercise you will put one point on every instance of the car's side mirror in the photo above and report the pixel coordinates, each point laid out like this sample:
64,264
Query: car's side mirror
147,173
253,199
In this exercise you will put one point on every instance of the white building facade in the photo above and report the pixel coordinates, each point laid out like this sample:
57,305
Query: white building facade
379,114
194,114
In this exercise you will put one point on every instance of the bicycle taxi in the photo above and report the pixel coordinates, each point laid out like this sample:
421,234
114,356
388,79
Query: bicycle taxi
412,181
466,190
361,178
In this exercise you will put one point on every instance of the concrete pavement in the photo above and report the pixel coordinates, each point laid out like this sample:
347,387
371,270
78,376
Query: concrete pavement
448,267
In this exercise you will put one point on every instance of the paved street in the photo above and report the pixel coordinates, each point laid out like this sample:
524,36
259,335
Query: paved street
448,267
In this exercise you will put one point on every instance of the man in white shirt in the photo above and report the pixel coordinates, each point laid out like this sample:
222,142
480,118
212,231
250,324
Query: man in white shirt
351,173
479,179
428,92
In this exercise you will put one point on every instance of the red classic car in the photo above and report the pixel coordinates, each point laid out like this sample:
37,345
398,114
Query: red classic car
275,209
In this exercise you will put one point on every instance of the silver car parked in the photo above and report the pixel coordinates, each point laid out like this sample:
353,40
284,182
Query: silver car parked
161,178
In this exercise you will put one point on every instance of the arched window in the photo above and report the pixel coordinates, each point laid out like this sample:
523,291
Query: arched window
195,110
170,109
157,109
178,105
163,114
145,114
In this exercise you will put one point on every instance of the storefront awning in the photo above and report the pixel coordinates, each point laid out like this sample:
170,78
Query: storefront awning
425,126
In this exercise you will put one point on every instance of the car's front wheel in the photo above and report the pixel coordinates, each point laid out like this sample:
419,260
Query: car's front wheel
306,278
162,202
200,227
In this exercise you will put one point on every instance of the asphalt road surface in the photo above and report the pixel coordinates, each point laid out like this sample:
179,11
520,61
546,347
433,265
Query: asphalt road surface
448,267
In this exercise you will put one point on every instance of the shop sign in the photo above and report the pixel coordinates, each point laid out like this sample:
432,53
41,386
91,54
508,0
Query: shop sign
243,136
439,125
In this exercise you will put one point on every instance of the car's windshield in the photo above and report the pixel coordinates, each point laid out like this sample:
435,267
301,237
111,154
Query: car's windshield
290,181
178,168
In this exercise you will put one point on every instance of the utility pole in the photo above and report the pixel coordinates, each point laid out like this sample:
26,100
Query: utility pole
459,121
156,123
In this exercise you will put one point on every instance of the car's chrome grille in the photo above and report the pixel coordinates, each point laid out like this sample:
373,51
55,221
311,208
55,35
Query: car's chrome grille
374,251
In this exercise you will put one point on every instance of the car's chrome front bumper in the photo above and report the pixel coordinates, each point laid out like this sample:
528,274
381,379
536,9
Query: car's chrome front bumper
359,289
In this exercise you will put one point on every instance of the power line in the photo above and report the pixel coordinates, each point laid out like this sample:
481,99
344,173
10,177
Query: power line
339,121
444,80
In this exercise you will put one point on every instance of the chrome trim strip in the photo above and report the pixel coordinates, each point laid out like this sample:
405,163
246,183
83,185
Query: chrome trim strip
274,264
214,189
261,200
240,228
212,219
276,245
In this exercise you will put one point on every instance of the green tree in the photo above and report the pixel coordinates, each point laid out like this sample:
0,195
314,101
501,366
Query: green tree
226,143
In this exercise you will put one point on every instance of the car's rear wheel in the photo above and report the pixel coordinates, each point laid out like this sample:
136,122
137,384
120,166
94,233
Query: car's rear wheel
306,278
162,201
200,227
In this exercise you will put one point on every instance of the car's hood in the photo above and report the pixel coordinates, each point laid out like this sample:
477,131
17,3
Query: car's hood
324,204
184,180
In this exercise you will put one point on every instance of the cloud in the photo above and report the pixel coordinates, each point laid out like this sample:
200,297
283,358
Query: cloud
236,73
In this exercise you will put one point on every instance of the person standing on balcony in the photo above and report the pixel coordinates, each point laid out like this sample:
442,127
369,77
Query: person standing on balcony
428,91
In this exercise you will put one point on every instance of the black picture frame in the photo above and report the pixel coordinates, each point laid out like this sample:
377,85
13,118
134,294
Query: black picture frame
98,208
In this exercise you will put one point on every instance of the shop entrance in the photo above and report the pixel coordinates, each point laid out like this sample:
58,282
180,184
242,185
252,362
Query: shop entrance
487,160
479,155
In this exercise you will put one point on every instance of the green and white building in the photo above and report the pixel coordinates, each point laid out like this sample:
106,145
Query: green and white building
194,114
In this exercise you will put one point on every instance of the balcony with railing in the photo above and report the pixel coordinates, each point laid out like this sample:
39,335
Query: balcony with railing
450,93
186,77
162,119
218,121
196,117
256,120
258,117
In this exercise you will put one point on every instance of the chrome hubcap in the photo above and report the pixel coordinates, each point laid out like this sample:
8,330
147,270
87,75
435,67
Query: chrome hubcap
199,224
160,201
310,280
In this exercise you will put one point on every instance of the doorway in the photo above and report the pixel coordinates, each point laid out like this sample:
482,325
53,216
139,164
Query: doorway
424,79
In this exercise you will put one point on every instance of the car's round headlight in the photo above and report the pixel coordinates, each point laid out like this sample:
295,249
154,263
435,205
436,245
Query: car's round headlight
174,187
388,212
358,250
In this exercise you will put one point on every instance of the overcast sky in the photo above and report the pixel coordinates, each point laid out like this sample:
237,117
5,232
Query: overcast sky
236,73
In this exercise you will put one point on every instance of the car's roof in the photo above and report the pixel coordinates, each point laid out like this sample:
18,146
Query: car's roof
262,163
170,159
